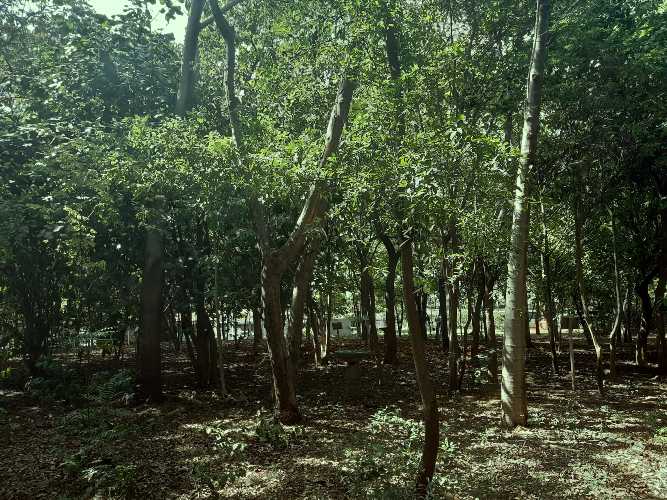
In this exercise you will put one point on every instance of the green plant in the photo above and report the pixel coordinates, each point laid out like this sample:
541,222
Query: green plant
57,383
105,386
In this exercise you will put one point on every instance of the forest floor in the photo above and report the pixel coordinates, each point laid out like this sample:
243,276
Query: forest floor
358,440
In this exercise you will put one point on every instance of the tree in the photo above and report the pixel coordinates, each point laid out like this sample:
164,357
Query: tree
513,384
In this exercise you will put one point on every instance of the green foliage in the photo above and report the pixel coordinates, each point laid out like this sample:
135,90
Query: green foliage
385,465
58,382
107,386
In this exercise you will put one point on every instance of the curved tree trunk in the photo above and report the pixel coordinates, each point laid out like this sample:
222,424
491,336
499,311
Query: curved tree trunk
513,387
429,401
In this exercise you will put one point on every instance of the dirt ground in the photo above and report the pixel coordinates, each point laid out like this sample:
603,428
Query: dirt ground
358,440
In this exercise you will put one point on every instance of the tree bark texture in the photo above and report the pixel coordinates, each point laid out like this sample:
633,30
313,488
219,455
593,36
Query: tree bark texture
513,386
429,401
149,379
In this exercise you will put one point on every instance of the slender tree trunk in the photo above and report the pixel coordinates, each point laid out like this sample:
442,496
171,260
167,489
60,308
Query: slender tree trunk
476,315
513,387
300,292
462,364
390,342
442,309
367,292
489,306
316,325
549,313
646,318
660,322
571,344
149,380
626,335
256,327
429,401
581,301
276,261
613,335
203,346
453,356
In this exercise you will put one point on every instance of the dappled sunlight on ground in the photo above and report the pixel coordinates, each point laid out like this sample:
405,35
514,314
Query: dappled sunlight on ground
355,442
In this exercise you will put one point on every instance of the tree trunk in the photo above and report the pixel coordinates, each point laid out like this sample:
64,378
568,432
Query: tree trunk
476,315
453,300
581,302
149,379
646,319
430,405
549,313
315,323
660,322
513,387
276,261
187,81
613,335
442,309
390,342
203,346
286,409
367,292
300,292
421,299
256,327
489,305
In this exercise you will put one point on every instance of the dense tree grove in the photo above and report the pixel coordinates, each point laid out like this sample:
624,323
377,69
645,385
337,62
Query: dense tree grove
473,176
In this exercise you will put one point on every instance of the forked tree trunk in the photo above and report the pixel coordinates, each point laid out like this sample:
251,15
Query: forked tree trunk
284,390
149,379
426,467
276,261
300,292
581,301
513,386
390,342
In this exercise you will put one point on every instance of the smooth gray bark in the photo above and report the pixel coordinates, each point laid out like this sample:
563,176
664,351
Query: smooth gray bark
513,385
